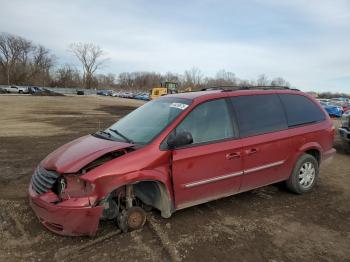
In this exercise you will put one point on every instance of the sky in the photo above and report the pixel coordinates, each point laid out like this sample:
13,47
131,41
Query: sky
307,42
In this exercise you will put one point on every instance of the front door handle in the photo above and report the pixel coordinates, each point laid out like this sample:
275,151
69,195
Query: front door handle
233,155
251,151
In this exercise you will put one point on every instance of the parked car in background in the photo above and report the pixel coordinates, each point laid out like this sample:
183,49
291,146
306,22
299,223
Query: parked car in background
332,110
346,107
34,90
341,100
17,89
127,95
80,92
104,92
325,100
344,130
182,150
142,96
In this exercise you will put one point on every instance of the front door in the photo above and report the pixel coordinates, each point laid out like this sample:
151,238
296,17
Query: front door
211,167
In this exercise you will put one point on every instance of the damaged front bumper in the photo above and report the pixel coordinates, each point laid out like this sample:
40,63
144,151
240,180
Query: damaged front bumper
74,217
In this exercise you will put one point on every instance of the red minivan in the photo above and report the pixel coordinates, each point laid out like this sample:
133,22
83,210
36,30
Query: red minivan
179,151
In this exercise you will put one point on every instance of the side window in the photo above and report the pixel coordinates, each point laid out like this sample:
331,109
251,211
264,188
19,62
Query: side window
209,121
259,114
301,110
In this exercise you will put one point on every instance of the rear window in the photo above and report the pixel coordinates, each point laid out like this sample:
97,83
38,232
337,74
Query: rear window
301,110
259,114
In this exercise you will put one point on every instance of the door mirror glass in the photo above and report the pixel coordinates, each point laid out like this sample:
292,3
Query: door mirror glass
181,138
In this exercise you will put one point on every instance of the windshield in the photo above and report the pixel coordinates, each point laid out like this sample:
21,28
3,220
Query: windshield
146,122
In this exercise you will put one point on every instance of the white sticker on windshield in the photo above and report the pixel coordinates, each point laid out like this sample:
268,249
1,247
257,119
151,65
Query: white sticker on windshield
179,106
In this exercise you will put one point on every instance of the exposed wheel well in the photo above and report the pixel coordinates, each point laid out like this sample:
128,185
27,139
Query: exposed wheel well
154,193
315,153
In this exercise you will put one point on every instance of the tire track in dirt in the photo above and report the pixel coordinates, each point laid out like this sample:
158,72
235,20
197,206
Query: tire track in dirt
70,253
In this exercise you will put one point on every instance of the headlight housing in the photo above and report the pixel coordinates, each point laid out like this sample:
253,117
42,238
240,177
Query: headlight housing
71,186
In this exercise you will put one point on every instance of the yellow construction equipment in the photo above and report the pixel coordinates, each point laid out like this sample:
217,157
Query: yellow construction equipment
165,88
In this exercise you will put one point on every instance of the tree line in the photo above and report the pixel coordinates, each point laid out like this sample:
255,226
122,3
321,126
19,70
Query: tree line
22,62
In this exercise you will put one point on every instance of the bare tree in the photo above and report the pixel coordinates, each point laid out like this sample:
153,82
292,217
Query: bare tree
279,81
67,76
171,77
193,77
91,58
22,62
40,66
105,81
262,80
13,53
224,77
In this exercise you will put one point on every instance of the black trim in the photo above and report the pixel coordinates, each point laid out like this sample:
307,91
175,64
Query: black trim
305,123
235,124
263,133
203,143
234,120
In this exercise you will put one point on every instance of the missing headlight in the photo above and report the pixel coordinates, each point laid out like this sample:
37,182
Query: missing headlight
59,186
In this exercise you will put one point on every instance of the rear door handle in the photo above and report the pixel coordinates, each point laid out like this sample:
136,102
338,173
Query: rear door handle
251,151
233,155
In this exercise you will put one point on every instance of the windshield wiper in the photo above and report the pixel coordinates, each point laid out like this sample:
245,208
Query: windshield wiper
102,134
122,136
106,133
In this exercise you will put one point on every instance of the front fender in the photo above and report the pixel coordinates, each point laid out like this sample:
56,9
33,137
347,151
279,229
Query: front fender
104,185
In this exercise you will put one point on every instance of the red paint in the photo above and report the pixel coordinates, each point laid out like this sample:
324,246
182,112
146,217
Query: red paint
71,157
178,170
75,219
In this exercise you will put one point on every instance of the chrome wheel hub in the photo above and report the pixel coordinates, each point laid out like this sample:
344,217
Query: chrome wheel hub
307,174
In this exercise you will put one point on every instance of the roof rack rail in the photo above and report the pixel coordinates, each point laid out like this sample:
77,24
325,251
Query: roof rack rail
242,87
213,88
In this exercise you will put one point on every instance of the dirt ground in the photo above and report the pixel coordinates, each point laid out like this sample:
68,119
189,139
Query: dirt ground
267,224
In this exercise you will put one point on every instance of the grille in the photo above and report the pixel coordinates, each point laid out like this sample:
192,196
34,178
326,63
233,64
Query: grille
43,180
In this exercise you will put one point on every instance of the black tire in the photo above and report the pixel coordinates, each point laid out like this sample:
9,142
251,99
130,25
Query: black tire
301,181
20,91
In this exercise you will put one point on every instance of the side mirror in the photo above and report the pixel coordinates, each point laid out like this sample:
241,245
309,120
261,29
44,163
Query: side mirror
179,139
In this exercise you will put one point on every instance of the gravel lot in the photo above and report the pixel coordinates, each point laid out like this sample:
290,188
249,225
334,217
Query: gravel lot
267,224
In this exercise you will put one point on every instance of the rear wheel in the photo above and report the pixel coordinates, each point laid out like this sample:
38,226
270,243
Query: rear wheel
304,174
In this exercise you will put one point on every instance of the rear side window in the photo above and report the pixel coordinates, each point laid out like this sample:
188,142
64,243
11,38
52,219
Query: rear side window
301,110
259,114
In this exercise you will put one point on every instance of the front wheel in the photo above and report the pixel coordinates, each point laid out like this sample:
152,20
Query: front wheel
132,219
304,175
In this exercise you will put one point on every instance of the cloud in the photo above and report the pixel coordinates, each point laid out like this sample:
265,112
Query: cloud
305,42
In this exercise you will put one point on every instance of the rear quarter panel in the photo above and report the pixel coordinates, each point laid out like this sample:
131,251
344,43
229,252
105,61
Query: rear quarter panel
318,136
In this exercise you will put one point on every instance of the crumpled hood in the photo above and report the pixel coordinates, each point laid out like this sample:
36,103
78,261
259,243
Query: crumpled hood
71,157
